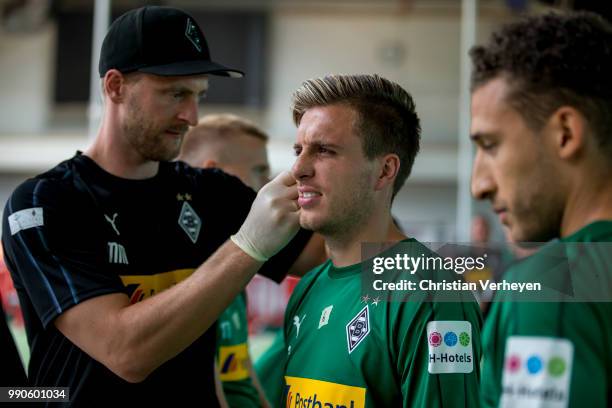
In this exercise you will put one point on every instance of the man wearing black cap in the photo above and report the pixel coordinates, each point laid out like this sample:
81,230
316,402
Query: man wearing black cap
106,249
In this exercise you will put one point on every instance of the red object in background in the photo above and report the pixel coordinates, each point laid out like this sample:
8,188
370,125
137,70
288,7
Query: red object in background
10,301
267,301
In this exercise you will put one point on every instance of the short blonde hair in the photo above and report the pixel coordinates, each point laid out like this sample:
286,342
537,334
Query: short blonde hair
224,124
215,129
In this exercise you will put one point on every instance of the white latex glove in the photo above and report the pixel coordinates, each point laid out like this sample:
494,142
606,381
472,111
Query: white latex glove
273,219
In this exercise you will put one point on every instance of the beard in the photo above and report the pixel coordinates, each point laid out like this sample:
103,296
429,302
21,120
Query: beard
538,210
147,137
346,213
537,224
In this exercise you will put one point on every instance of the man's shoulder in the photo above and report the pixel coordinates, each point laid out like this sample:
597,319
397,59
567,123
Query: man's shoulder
53,184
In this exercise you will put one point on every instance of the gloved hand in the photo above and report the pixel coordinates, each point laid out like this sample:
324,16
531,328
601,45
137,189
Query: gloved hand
272,221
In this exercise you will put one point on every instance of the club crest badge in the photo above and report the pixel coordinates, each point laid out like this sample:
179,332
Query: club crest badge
191,32
357,329
190,222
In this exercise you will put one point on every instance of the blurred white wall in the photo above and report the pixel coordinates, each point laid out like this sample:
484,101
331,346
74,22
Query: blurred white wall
26,75
419,52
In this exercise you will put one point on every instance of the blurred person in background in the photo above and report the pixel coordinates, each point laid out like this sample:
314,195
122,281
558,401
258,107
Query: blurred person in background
542,124
12,373
122,259
480,245
357,138
238,147
11,369
10,299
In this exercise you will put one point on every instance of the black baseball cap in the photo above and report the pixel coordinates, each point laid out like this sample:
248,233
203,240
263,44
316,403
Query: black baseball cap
158,40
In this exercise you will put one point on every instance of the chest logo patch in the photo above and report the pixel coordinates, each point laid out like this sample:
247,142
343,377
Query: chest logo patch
537,372
190,222
357,329
325,316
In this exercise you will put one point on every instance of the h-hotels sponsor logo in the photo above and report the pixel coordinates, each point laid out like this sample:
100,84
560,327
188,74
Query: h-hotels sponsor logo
537,372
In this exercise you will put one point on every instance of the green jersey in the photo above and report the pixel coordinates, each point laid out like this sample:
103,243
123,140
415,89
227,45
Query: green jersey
345,349
233,354
553,354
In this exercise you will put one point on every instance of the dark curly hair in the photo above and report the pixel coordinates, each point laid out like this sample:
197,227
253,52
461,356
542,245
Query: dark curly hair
552,60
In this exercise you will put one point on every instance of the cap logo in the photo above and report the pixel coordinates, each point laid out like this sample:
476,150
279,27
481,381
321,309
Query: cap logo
191,32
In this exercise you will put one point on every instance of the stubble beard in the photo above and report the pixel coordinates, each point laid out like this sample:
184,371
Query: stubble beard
539,213
147,138
347,216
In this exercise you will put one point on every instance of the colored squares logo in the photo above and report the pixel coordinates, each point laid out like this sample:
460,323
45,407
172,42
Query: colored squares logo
450,339
435,339
556,366
464,339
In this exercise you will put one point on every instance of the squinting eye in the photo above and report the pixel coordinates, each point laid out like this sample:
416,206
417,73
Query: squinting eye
487,145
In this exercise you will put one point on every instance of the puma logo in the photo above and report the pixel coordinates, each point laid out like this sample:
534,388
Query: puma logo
297,323
112,222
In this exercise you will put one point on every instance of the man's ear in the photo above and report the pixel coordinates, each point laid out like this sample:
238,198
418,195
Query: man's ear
114,85
390,165
568,127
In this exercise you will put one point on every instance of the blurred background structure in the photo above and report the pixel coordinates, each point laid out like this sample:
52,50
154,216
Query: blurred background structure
46,49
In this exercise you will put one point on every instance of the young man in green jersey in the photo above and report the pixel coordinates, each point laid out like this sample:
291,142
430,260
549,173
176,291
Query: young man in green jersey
238,147
357,139
542,124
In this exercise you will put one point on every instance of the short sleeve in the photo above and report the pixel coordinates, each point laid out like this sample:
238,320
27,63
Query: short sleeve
52,249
